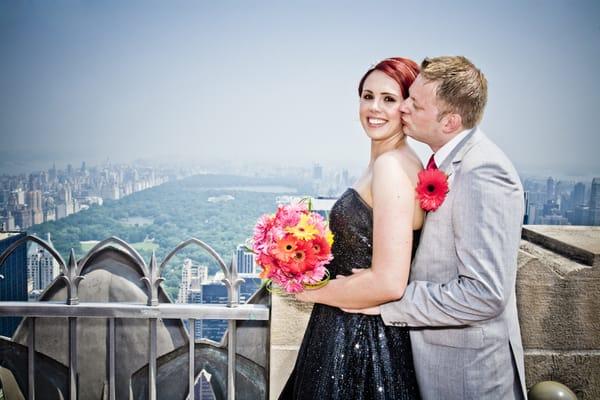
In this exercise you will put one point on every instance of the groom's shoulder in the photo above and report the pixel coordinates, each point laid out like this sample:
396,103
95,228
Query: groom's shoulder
487,157
485,152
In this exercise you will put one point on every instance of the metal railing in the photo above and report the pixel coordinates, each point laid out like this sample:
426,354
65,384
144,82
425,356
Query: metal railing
152,311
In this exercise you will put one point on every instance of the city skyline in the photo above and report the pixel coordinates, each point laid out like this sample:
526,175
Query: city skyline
271,82
48,195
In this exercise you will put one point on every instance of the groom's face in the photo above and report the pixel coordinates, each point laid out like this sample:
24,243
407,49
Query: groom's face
420,112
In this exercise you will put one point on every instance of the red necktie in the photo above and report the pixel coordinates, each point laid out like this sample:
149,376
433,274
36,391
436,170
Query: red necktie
431,163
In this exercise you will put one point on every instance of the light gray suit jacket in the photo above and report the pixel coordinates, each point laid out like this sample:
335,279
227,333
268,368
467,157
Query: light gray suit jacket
461,296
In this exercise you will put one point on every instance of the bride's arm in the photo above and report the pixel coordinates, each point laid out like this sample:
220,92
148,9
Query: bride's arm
393,208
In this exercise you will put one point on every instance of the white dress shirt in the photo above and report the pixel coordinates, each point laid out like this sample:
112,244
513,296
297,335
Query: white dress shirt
446,149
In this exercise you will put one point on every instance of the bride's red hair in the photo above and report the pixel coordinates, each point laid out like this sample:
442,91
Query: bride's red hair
402,70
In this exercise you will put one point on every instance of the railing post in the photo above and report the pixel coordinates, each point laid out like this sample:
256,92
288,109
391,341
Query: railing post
231,347
111,360
152,361
233,282
31,359
191,355
152,282
72,358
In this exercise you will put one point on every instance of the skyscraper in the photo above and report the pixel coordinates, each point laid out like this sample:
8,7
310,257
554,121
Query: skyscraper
526,218
52,173
202,388
594,210
34,201
595,194
550,189
13,285
42,268
245,261
317,171
9,222
192,277
23,217
578,195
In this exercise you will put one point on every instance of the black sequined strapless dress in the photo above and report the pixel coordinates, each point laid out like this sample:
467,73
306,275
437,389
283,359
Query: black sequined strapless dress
352,356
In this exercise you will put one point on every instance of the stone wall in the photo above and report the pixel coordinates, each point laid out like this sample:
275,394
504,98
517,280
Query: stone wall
558,292
288,323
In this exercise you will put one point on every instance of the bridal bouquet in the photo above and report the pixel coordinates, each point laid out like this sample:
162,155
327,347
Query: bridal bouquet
293,246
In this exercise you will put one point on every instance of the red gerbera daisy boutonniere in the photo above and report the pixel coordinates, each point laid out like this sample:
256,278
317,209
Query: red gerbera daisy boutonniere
432,188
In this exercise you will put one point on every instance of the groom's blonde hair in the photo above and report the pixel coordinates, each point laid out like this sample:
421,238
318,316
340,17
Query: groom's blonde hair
462,87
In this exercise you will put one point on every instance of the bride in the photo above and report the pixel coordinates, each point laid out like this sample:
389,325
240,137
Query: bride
376,224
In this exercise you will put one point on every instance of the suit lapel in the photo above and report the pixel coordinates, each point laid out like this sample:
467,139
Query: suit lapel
456,155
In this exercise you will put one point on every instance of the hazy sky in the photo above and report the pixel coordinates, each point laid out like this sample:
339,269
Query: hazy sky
276,81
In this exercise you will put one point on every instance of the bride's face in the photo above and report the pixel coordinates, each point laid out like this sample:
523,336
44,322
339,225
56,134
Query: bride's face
380,102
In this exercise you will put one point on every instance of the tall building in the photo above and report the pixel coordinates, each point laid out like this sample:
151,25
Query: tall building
192,277
317,171
550,189
595,194
594,210
34,182
42,268
34,201
4,195
212,293
558,187
533,214
579,215
578,195
13,285
20,197
245,261
52,173
23,218
526,217
202,388
10,221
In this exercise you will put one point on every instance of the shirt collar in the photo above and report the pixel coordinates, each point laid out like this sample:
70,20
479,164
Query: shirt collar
445,150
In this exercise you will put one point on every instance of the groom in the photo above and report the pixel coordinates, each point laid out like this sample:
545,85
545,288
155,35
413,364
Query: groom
461,296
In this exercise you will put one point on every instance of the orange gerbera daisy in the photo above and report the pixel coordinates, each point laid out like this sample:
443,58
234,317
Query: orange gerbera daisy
286,247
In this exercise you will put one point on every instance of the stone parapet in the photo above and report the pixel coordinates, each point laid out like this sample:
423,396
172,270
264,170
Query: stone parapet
288,323
558,295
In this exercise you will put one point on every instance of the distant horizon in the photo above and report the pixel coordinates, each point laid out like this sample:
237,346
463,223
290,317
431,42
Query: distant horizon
531,172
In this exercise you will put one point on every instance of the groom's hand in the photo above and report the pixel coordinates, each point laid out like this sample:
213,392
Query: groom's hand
367,311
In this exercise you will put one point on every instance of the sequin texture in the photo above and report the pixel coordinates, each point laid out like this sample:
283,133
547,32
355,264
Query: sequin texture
352,356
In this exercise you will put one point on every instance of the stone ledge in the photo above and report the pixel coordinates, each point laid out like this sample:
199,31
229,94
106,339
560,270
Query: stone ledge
578,243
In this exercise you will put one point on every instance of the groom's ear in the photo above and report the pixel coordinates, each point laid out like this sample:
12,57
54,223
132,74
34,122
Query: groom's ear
452,123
